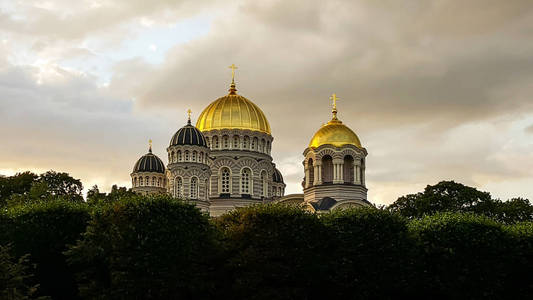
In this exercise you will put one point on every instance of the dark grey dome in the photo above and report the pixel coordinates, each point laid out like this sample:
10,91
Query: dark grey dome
149,163
188,135
324,204
276,176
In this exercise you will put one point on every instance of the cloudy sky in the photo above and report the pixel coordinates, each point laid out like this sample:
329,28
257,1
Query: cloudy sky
436,90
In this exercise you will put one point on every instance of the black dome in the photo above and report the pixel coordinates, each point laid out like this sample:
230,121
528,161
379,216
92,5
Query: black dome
276,176
188,135
149,163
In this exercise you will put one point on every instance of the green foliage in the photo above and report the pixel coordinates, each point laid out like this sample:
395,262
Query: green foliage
19,184
275,252
145,248
449,196
94,197
463,255
373,253
15,276
444,196
44,230
520,259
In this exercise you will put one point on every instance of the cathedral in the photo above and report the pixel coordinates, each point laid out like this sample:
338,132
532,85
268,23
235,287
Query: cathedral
224,162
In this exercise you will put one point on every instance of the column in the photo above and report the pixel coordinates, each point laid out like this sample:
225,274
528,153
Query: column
337,171
356,178
341,172
306,176
318,174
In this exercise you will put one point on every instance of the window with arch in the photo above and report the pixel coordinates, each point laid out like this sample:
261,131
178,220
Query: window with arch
141,183
158,181
225,181
135,181
264,184
246,181
327,169
194,154
201,157
225,142
215,142
347,169
245,142
147,180
279,191
262,146
179,187
179,156
187,155
207,142
171,156
236,142
194,188
268,147
273,191
153,181
254,143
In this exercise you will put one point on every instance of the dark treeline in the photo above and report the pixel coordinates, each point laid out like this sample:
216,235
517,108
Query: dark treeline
449,241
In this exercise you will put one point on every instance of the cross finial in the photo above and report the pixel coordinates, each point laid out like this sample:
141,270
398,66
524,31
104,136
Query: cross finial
150,143
232,89
189,111
334,98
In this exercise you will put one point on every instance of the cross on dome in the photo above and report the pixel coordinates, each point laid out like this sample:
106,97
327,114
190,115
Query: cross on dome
150,143
334,98
232,88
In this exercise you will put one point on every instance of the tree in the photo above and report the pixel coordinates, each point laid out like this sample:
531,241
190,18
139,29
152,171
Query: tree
145,248
62,184
19,184
275,252
15,276
444,196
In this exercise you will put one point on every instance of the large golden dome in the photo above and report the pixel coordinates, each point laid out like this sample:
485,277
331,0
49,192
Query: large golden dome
334,133
233,112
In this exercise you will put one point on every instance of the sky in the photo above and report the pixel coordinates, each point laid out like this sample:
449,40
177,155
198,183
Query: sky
435,89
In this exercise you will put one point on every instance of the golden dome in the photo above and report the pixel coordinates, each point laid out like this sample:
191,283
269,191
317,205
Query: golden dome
334,133
233,112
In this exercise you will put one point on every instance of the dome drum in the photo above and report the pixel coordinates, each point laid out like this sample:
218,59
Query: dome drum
239,140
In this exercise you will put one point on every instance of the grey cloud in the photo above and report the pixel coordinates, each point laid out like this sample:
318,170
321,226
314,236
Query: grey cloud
529,129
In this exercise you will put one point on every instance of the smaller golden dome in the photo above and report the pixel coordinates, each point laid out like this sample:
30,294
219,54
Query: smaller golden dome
334,132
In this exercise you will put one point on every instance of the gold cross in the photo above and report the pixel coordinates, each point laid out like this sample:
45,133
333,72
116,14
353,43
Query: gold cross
189,111
233,67
334,98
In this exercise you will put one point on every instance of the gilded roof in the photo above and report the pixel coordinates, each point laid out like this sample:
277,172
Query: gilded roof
334,133
233,111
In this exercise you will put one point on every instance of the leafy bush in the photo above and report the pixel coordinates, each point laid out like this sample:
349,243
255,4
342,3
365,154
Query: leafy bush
520,259
15,276
145,248
373,253
463,255
275,252
43,230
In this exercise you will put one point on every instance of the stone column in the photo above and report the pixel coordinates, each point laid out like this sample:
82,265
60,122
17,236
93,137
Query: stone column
318,174
337,170
307,176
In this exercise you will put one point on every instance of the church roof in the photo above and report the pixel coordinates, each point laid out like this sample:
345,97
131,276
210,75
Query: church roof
149,163
276,176
188,135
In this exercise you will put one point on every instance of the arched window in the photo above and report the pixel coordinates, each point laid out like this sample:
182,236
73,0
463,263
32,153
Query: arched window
254,143
201,157
179,156
268,147
147,181
215,142
264,184
179,187
246,181
245,142
208,143
236,142
141,183
187,155
347,169
135,181
194,154
225,142
262,146
194,188
153,181
158,181
311,169
225,181
279,191
327,169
